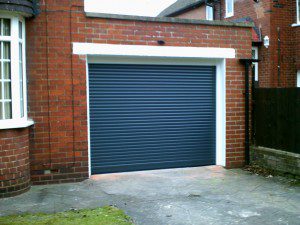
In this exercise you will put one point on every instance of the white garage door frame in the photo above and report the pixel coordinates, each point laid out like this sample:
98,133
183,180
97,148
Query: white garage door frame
160,55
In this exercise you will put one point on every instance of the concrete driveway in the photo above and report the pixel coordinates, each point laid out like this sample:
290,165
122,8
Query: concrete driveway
204,195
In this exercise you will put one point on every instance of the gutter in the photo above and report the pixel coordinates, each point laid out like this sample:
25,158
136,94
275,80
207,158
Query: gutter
247,63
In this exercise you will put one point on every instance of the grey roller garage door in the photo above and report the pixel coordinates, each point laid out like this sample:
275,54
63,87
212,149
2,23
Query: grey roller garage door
151,117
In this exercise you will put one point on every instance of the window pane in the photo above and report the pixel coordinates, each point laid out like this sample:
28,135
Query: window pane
6,70
6,27
20,30
1,111
298,10
7,110
21,79
6,50
253,54
229,6
22,107
20,52
209,12
7,90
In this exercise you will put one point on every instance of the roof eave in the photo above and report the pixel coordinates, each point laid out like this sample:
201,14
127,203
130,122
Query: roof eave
186,9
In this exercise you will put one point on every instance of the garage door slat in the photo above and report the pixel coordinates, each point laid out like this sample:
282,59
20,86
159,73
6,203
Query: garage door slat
150,151
152,159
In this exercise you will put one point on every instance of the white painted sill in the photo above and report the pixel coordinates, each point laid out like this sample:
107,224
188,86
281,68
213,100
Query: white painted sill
15,124
296,25
228,16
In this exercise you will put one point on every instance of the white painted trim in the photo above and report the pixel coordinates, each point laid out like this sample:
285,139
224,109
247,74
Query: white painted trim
88,116
15,124
227,14
295,25
256,64
152,51
220,91
221,113
298,78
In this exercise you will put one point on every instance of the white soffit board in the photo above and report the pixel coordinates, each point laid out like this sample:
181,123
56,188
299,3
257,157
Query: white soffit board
152,51
127,7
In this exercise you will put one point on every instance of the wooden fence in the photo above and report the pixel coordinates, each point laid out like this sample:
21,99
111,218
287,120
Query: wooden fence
276,113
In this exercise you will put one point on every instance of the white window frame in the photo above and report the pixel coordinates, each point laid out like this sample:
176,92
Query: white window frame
298,78
16,121
256,64
209,13
229,14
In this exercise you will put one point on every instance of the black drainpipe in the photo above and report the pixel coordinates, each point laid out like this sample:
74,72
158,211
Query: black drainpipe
247,63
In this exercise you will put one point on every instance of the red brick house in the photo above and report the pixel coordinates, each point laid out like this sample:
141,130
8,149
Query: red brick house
277,21
85,92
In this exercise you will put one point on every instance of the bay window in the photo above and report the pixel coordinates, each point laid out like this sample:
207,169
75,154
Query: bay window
13,108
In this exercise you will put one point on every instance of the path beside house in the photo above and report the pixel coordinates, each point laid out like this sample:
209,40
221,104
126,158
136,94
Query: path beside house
204,195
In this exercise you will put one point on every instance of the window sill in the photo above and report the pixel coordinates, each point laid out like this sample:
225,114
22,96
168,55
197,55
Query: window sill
228,16
15,124
296,25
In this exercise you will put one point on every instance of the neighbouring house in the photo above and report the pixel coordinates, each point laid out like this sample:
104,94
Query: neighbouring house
276,33
85,92
189,9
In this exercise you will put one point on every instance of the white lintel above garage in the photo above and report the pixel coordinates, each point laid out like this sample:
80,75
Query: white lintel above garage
152,51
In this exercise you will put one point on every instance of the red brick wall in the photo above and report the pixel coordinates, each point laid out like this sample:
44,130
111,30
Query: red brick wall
57,98
14,162
283,18
57,81
268,17
295,38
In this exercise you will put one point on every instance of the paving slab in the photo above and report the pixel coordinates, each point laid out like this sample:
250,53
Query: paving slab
189,196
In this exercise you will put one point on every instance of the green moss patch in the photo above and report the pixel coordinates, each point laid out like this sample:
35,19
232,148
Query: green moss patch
101,216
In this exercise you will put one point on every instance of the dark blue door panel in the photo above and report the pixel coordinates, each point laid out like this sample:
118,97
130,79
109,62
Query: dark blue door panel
151,117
